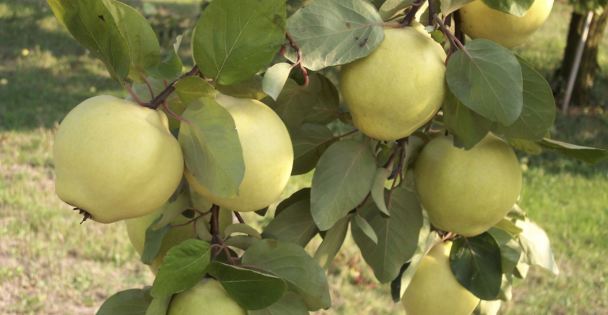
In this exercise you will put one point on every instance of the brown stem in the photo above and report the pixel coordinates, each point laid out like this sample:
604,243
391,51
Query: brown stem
215,233
147,83
458,24
407,20
298,63
239,217
158,100
135,98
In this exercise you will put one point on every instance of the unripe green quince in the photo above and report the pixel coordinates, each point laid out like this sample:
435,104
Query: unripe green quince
267,153
136,228
434,290
467,192
115,159
399,87
206,298
480,21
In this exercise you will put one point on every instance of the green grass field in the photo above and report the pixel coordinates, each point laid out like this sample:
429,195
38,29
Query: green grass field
49,264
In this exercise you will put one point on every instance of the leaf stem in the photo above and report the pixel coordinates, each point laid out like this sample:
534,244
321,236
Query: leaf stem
298,63
135,98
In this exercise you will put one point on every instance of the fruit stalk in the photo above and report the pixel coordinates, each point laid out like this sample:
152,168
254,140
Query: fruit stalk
158,100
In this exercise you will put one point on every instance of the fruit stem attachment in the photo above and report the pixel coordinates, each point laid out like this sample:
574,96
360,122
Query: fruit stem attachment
158,100
298,63
411,15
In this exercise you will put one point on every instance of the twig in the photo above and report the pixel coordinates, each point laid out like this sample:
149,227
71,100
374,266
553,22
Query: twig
158,100
298,63
239,217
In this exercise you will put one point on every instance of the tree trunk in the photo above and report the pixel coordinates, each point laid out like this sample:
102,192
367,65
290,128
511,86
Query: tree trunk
588,66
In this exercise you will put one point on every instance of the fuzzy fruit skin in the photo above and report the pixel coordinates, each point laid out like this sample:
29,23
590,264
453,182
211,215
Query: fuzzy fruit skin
480,21
116,159
267,152
467,192
206,298
397,88
136,228
434,290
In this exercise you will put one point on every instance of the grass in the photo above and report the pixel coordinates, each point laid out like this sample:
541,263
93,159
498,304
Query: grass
49,264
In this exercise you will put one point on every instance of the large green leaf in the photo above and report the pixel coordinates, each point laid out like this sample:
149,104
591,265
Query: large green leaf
182,268
326,107
585,154
344,177
332,242
250,289
467,126
449,6
212,149
397,235
128,302
309,142
92,24
513,7
295,101
252,88
294,224
290,304
335,32
293,264
487,80
538,112
476,263
234,39
302,194
391,7
143,44
159,306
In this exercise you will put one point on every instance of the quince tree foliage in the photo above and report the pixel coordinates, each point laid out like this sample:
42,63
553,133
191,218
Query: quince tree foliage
427,116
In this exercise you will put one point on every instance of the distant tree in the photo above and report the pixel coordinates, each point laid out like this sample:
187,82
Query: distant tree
589,64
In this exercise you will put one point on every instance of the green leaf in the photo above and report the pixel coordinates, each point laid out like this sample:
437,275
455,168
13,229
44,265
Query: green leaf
509,227
490,83
250,289
514,7
92,24
172,210
212,149
526,146
391,7
536,249
309,142
294,224
584,154
275,78
344,177
242,228
302,194
426,239
510,250
143,44
449,6
334,32
326,107
538,113
487,308
182,268
154,239
159,305
293,264
190,88
377,191
367,229
332,242
467,126
171,66
397,235
251,88
290,304
294,102
476,263
128,302
234,39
